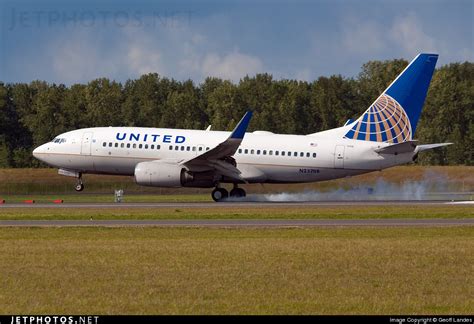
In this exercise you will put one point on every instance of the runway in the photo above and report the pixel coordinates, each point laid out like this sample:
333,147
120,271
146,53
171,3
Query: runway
255,204
232,223
237,223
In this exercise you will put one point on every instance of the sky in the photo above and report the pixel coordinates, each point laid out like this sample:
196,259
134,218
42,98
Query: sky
72,41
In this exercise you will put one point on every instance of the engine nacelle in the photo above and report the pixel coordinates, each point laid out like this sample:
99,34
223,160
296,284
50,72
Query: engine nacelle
159,174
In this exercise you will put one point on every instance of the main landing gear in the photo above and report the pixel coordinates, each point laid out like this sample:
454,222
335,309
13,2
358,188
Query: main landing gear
79,185
219,194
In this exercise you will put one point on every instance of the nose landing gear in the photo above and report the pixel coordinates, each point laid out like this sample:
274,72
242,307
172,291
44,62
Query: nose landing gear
79,185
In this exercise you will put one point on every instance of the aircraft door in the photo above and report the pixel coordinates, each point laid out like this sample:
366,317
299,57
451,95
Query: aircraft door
339,157
86,143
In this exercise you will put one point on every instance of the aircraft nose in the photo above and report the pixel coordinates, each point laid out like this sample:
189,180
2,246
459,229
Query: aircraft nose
38,151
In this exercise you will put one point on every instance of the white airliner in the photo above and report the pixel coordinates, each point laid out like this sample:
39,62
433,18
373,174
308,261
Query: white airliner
161,157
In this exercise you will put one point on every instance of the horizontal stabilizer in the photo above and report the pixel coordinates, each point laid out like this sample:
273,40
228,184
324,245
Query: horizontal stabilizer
421,148
399,148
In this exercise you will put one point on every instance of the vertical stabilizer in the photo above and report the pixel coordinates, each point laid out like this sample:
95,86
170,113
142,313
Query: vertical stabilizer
394,115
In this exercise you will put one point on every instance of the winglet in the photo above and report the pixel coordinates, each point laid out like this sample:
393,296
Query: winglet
241,128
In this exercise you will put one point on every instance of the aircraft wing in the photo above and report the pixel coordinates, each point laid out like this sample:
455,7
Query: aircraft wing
220,157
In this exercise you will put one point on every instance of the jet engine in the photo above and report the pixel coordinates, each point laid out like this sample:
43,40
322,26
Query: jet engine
160,174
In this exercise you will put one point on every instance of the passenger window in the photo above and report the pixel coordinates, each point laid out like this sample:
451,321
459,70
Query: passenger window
264,152
171,147
140,146
282,153
104,144
252,152
176,148
302,154
258,152
307,154
146,146
314,155
110,144
122,145
194,148
200,148
295,154
270,153
128,145
240,151
207,149
158,147
182,148
188,148
246,151
152,146
116,144
134,145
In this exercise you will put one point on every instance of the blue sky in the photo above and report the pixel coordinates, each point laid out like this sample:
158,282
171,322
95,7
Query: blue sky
77,41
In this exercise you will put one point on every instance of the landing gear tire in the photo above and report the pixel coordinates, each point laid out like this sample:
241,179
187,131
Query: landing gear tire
237,193
218,194
79,186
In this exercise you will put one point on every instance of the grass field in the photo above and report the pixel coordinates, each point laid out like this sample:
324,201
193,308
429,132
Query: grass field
243,212
237,271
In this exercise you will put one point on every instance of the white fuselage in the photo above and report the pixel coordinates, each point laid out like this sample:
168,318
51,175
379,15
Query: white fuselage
261,157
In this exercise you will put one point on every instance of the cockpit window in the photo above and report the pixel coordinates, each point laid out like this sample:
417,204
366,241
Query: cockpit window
58,140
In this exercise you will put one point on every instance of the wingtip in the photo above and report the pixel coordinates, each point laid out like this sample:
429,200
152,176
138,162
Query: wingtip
241,128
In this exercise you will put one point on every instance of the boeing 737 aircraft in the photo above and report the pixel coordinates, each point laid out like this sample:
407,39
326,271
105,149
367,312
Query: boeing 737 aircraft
381,138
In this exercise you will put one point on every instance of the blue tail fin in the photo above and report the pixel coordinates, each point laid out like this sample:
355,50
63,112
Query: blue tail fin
394,115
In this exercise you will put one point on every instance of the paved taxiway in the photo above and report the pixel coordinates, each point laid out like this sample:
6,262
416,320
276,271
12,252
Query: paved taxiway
242,223
256,204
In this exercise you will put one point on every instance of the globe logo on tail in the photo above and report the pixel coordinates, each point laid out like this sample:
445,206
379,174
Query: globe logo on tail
384,121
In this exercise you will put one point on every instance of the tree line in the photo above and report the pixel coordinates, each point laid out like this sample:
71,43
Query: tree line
32,114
